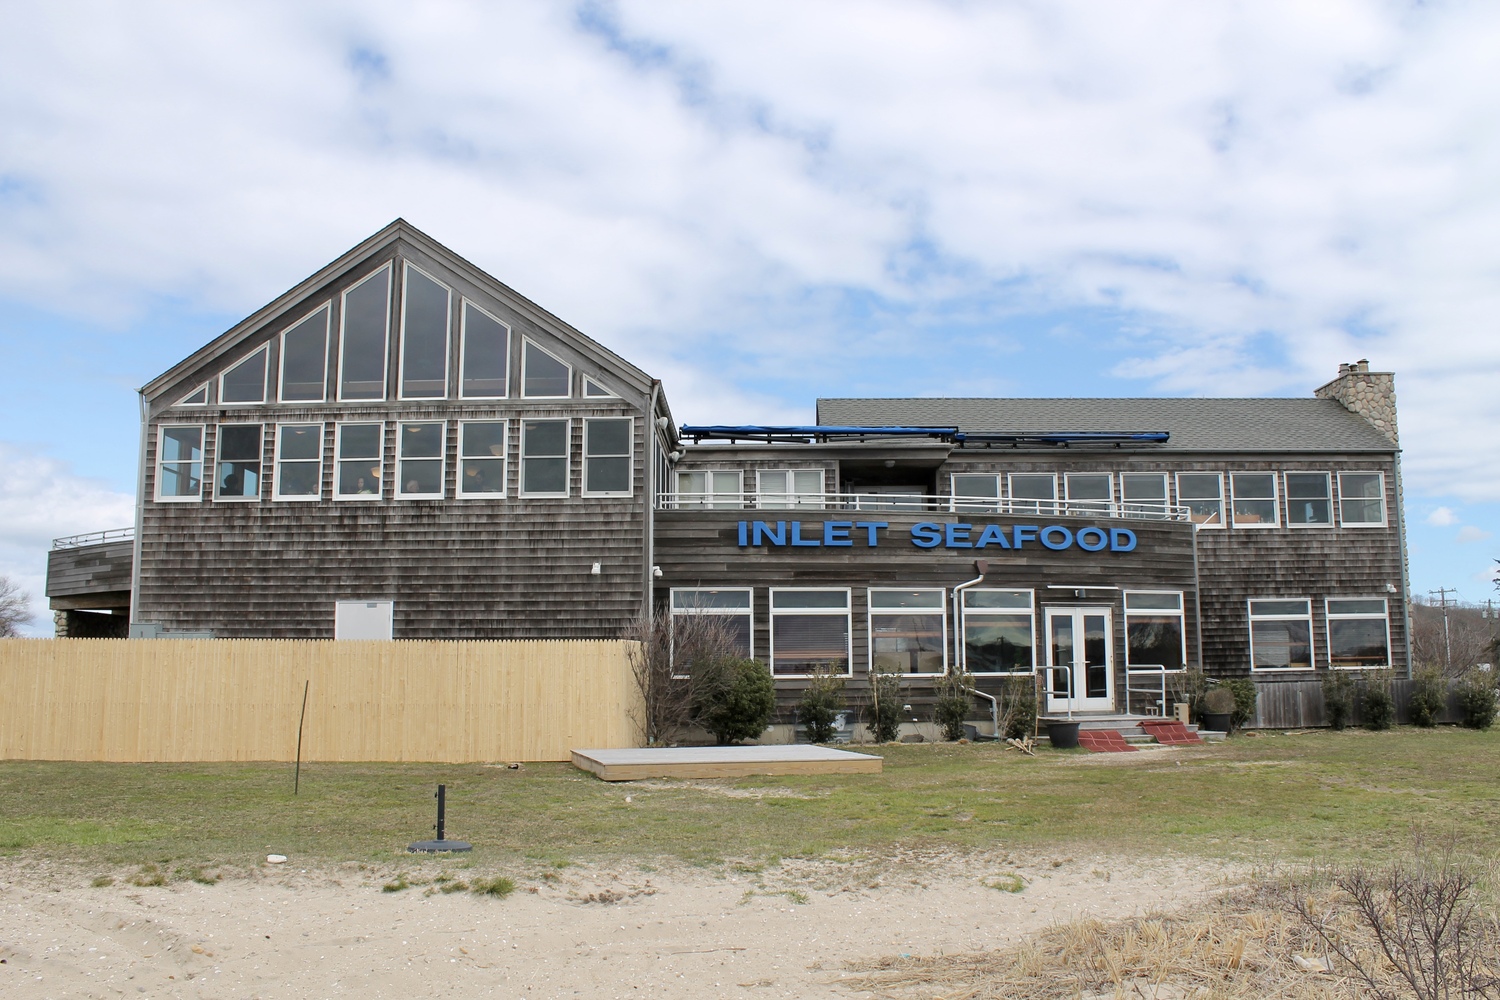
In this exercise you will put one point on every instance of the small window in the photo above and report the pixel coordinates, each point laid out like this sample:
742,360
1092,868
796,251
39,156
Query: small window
1144,494
784,489
364,332
542,375
1281,635
1202,493
361,452
299,462
1033,493
246,381
729,609
1155,635
482,452
977,494
424,337
1254,498
595,390
1089,492
304,359
239,453
198,398
1359,634
419,454
363,620
810,632
718,490
179,463
908,631
998,631
485,355
544,458
1362,499
607,457
1307,499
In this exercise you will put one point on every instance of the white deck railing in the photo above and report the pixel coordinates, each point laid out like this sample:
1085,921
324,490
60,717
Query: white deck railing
94,538
916,503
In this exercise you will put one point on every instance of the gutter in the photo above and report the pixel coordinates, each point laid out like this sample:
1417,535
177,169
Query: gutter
653,443
140,512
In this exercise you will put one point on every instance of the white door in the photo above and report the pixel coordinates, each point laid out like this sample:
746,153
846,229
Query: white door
1079,661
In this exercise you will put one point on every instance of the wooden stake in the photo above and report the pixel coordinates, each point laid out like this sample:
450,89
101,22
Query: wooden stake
297,779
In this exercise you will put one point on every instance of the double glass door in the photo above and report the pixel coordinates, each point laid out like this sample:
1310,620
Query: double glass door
1078,660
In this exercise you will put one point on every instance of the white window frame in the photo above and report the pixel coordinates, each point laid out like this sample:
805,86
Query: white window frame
260,461
265,370
206,397
385,351
1115,490
629,456
1329,618
1287,495
771,614
464,305
1312,634
1043,506
1223,521
963,503
964,611
791,497
567,460
406,270
1126,611
870,613
379,459
527,341
704,500
202,463
747,612
604,391
503,457
442,460
276,493
1139,508
1384,513
1275,521
281,357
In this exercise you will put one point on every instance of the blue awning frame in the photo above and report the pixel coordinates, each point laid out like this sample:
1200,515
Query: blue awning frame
825,433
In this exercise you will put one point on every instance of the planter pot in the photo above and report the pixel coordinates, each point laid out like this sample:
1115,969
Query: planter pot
1063,735
1217,722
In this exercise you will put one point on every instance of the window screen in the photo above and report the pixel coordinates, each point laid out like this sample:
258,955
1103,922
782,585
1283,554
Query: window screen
998,631
1281,635
424,337
542,374
544,458
809,631
908,631
606,456
1144,493
246,381
362,338
360,450
1029,490
482,449
304,359
419,454
1361,499
1202,493
1088,492
179,463
1308,501
486,354
239,448
1254,496
976,493
299,461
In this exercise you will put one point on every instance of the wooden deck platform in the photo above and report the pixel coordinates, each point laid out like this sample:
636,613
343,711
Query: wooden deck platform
723,762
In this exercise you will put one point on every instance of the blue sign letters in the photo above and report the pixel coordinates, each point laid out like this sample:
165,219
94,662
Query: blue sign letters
931,535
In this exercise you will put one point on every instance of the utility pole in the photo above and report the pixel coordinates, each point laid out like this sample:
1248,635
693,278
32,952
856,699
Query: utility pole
1443,593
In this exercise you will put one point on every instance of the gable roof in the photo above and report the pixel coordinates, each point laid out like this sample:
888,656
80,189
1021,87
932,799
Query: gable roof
400,229
1259,425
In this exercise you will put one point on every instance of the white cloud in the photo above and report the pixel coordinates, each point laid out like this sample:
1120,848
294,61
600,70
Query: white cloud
1442,517
1469,533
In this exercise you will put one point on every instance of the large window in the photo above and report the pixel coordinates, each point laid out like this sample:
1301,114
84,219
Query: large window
304,359
1308,502
246,381
810,631
544,458
1032,492
363,337
998,629
783,489
484,355
726,610
239,456
976,493
360,451
1254,497
542,375
1202,493
607,457
424,337
719,490
908,631
1154,632
481,458
419,456
1281,635
299,462
1359,634
179,463
1144,493
1088,492
1362,499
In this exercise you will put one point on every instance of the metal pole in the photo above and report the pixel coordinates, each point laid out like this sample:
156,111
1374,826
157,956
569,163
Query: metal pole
442,797
297,778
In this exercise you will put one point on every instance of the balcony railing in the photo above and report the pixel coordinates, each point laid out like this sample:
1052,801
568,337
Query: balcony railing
94,538
918,503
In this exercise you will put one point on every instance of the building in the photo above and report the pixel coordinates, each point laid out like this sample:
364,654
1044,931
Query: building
403,447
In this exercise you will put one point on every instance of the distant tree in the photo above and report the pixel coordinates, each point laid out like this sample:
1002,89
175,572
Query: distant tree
15,608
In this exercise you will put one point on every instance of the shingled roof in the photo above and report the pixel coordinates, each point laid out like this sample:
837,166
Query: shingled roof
1260,425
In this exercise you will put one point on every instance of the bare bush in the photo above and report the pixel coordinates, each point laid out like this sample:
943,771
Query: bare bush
15,609
662,663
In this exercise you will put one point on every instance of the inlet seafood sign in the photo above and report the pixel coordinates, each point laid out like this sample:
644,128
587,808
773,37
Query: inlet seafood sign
932,535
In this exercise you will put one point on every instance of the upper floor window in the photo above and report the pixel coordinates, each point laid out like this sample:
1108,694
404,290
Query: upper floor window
360,458
607,457
1144,493
593,389
1362,499
1308,501
1033,492
1089,492
1254,498
179,463
364,333
299,462
719,490
975,492
419,454
544,458
197,398
484,355
783,489
481,458
1202,493
542,375
246,381
304,359
239,455
424,336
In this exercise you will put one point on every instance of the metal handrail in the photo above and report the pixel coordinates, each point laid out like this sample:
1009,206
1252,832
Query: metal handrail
1159,689
897,503
94,538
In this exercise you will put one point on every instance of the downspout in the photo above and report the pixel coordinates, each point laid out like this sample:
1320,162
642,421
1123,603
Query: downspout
653,444
1405,576
140,513
960,648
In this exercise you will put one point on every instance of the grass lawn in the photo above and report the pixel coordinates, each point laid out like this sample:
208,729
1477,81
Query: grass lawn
1258,797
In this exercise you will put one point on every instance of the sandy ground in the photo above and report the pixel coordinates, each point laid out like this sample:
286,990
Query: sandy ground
282,932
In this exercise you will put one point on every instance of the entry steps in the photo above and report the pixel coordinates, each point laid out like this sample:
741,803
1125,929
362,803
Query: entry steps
1113,732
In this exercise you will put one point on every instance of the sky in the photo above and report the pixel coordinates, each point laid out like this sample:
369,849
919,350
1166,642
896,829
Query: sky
765,202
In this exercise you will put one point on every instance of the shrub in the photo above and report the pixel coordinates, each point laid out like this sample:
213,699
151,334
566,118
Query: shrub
733,699
1219,701
884,714
820,706
1476,696
1018,707
1191,689
1243,689
1338,698
1429,697
954,702
1377,707
668,658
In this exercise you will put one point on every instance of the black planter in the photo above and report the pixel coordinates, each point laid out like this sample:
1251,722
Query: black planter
1062,735
1217,722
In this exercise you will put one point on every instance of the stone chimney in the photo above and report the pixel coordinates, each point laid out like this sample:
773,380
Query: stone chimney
1370,394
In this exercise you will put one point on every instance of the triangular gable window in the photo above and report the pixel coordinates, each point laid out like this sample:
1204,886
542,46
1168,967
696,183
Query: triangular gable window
199,398
544,376
592,388
246,381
